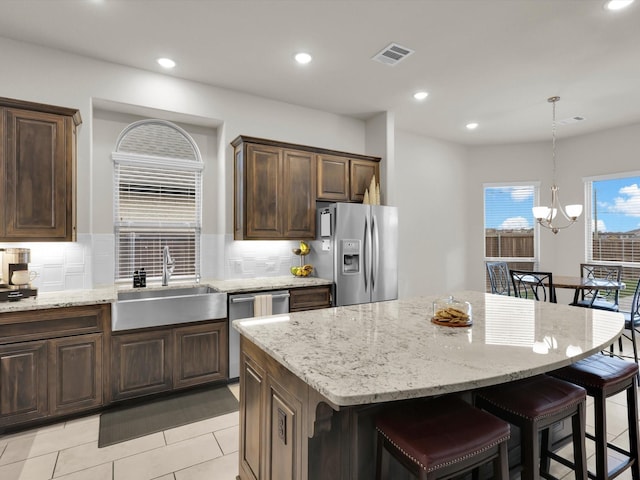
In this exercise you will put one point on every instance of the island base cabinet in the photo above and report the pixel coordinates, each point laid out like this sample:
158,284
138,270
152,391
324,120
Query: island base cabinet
273,438
288,431
23,382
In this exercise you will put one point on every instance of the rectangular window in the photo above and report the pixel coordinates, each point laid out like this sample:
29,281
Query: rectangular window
614,208
509,227
156,205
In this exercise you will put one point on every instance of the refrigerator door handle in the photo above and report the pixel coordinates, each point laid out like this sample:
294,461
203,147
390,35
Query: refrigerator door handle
376,251
366,273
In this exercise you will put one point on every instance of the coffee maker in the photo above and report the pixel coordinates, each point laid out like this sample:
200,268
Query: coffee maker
15,259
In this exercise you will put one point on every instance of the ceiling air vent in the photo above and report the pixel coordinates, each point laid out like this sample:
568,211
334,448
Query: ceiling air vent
569,121
392,54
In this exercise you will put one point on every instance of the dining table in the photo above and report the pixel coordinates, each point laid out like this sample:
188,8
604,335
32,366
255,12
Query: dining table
585,283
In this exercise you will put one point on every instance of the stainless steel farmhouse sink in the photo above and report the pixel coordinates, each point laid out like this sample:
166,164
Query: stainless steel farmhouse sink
166,306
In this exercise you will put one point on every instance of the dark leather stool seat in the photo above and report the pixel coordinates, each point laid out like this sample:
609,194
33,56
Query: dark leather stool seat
533,405
603,376
441,438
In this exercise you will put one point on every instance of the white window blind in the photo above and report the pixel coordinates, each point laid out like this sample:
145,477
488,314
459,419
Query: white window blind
510,233
157,200
612,227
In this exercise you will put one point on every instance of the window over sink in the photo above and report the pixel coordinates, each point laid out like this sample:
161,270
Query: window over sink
157,200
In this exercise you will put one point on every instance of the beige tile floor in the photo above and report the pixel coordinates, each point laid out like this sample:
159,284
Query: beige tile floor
206,450
69,451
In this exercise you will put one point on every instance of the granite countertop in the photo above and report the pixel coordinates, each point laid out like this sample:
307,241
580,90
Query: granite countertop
108,294
391,350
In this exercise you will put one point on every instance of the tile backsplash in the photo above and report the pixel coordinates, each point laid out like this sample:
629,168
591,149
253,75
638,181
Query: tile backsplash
90,261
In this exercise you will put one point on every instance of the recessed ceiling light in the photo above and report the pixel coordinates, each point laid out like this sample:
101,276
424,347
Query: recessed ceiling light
302,58
618,4
420,95
472,126
166,62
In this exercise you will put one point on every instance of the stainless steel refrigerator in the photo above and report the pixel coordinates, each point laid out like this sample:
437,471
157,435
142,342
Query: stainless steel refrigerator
357,246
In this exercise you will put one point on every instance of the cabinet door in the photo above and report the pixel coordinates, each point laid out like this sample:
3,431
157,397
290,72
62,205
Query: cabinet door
284,443
333,178
263,202
38,188
361,172
76,373
299,194
252,387
141,363
23,382
200,354
309,298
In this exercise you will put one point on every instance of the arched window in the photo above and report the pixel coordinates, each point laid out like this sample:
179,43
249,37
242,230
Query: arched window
157,200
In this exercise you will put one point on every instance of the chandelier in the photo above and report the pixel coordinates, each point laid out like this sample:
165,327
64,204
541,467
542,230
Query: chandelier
546,216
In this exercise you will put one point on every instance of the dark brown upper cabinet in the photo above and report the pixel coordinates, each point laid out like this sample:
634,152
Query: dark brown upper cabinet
275,191
277,185
344,179
38,171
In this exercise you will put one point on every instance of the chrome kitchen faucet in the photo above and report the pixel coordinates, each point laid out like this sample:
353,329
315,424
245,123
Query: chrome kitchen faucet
168,264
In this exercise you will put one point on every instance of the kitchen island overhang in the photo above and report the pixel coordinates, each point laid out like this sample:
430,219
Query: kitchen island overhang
311,381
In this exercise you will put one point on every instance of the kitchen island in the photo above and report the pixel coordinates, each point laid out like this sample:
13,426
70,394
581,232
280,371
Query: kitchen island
311,382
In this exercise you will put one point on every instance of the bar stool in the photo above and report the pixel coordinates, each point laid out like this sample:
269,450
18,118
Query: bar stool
603,376
533,405
441,438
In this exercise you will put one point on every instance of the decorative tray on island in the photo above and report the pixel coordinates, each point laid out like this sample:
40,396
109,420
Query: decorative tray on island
450,312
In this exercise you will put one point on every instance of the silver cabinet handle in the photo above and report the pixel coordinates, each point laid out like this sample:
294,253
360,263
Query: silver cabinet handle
250,299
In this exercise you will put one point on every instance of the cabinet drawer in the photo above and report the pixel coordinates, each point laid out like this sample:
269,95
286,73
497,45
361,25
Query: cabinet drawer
309,298
52,323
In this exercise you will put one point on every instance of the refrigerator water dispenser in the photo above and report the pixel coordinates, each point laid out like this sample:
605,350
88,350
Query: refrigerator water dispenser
350,256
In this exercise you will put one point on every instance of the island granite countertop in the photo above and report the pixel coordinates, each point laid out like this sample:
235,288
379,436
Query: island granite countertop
108,294
388,351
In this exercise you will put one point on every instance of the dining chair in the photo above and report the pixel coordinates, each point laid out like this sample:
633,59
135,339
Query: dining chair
533,285
632,322
600,299
499,278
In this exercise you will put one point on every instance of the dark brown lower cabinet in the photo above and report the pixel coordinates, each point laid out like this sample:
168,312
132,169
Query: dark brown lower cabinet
200,354
309,298
140,363
51,362
23,382
151,361
75,380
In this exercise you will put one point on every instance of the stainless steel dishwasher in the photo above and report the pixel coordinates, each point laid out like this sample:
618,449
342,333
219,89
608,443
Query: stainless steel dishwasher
241,306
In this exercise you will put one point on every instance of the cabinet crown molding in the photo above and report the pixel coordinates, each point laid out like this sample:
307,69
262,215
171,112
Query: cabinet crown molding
294,146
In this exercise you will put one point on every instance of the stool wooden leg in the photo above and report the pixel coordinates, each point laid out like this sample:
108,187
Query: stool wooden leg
529,451
501,464
579,449
379,453
634,448
600,417
545,448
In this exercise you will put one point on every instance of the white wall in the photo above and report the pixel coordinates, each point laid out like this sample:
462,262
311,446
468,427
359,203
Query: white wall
48,76
603,153
437,185
432,201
